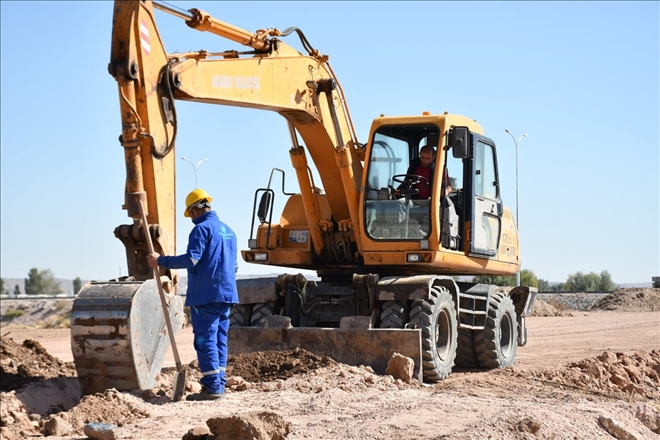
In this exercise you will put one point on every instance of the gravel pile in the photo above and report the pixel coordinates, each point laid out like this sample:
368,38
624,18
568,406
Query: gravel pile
572,301
630,299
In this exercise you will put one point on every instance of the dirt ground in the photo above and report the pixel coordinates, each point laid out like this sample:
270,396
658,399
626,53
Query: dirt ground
592,373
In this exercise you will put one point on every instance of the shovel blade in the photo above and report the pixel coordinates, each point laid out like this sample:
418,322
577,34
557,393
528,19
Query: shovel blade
178,385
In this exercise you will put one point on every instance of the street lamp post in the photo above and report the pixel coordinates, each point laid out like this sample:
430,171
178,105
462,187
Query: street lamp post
517,142
194,166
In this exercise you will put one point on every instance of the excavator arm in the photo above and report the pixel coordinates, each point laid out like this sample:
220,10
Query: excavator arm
148,139
151,81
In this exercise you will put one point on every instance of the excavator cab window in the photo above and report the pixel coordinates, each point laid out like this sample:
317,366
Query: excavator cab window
394,209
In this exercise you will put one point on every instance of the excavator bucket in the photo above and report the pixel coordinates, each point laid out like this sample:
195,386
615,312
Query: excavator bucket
119,335
353,343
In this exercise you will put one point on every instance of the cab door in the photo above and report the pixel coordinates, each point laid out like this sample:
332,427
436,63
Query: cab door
485,204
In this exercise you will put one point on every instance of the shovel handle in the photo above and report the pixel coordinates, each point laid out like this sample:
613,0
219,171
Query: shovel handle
161,293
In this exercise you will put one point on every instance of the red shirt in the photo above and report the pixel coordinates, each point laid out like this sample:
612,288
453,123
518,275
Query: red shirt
424,187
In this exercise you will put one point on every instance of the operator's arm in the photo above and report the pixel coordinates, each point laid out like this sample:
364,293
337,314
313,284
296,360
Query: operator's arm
196,246
409,171
406,181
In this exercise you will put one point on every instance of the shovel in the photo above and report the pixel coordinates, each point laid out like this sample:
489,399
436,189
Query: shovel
179,378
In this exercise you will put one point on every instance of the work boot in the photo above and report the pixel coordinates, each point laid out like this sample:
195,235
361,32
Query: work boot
205,395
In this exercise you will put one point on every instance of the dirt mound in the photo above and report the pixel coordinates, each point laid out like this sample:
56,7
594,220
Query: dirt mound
256,425
21,364
268,366
110,407
36,385
262,366
304,372
297,369
543,308
631,300
612,374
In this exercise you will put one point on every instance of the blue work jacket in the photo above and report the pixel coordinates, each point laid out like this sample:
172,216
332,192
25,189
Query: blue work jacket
210,260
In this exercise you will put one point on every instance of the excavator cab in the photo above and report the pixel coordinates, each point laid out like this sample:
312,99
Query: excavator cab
462,211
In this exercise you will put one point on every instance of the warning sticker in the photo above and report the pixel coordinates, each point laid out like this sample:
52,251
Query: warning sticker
144,38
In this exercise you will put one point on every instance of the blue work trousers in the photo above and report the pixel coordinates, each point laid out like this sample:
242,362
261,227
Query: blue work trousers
210,324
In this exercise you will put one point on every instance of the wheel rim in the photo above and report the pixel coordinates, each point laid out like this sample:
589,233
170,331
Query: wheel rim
443,334
506,332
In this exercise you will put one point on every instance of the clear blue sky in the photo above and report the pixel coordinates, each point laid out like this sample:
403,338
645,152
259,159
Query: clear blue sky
580,78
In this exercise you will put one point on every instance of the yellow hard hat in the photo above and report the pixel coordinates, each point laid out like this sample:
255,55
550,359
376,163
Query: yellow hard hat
195,196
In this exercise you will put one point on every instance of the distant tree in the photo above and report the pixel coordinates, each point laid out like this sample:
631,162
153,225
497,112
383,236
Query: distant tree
527,278
606,284
544,285
559,287
77,285
33,282
581,282
41,283
3,289
17,290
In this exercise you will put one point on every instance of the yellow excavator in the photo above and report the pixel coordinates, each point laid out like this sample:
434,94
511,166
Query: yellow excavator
391,248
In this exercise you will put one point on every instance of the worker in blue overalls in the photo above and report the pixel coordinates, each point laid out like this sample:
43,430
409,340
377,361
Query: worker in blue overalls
211,263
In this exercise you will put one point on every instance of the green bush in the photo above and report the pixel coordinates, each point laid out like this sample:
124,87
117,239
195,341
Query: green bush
11,314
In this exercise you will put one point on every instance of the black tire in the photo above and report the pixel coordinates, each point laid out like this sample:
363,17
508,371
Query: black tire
465,354
436,317
393,315
496,345
239,315
261,311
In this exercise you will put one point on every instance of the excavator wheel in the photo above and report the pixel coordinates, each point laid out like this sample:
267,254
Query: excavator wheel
436,317
240,314
261,311
465,354
393,315
496,345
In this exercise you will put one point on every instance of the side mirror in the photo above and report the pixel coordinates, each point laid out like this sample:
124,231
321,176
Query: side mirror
264,206
459,142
